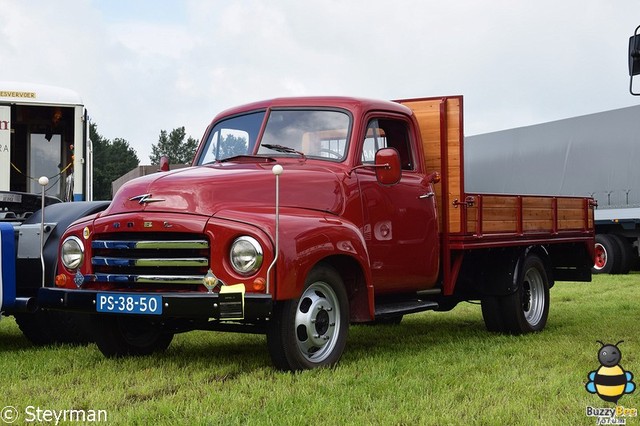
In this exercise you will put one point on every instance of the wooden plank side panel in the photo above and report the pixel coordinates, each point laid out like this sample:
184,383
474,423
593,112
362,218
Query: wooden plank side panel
427,112
454,160
498,214
472,219
537,214
522,215
572,214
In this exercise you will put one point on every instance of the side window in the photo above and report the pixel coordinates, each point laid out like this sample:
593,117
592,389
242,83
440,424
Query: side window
383,133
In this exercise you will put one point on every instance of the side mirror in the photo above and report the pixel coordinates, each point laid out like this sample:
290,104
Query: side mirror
164,163
634,58
387,163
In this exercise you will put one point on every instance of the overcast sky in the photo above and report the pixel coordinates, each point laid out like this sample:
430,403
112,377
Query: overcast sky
146,66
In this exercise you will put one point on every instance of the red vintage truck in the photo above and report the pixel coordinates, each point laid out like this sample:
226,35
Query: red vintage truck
303,215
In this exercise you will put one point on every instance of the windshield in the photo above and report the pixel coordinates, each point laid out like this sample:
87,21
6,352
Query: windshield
232,137
307,133
312,133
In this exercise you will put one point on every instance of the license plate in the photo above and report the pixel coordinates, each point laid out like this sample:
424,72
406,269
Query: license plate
129,303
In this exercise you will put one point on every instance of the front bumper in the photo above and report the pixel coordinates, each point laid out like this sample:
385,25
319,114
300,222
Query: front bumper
175,305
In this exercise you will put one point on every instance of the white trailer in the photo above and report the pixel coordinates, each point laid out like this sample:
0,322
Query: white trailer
595,155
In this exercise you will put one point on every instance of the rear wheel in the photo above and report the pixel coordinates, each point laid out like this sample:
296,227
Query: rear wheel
626,253
607,255
492,314
118,336
311,331
525,310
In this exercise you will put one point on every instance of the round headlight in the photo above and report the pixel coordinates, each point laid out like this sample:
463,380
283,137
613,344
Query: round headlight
246,255
72,253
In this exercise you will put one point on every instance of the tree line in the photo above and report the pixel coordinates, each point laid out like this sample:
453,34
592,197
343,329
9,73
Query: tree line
114,158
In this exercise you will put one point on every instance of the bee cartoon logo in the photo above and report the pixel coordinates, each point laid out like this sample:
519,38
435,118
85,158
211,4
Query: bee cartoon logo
610,381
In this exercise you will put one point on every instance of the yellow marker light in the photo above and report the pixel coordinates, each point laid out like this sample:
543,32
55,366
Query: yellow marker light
86,233
259,284
61,280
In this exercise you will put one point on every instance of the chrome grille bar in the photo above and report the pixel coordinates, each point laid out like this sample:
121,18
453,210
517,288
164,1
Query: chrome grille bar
144,279
157,245
143,262
143,258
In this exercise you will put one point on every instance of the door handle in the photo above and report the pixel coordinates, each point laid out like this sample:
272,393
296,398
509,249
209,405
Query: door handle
427,195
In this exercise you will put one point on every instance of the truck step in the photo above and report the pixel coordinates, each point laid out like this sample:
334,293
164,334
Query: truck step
394,308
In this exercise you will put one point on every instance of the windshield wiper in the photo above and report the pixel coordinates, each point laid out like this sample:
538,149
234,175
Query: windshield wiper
282,148
242,156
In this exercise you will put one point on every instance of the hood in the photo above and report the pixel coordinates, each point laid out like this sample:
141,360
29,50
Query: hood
205,190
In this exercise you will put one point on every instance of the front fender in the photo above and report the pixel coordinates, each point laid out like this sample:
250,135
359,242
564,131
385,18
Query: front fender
306,238
59,217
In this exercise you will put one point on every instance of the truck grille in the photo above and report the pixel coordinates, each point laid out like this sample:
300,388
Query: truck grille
146,259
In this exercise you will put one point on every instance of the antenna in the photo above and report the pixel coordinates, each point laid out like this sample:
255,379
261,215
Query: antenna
277,171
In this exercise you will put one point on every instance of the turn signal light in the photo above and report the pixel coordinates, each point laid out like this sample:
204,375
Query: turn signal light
259,284
61,280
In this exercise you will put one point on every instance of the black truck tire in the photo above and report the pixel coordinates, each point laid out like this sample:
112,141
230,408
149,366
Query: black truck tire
608,255
626,253
52,327
311,331
492,315
119,336
526,309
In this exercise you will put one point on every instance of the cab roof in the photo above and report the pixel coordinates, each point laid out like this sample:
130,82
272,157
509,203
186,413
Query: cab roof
352,104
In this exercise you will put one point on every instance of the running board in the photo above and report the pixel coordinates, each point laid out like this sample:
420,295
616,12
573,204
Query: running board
395,308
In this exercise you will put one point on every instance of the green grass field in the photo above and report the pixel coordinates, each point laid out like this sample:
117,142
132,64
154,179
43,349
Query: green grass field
433,368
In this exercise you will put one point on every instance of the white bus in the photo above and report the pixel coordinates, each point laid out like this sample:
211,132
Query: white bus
44,131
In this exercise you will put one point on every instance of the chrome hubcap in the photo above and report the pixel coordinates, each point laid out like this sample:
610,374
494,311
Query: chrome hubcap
533,297
317,322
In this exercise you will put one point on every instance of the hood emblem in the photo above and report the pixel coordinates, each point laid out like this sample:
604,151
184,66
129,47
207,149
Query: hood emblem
145,199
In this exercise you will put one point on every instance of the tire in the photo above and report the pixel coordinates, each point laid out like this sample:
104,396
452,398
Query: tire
118,336
626,253
51,327
608,255
527,309
311,331
492,314
34,327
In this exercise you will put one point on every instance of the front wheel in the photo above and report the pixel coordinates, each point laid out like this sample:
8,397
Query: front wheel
129,336
53,327
311,331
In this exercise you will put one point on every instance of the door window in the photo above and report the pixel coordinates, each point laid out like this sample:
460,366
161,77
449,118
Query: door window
387,133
